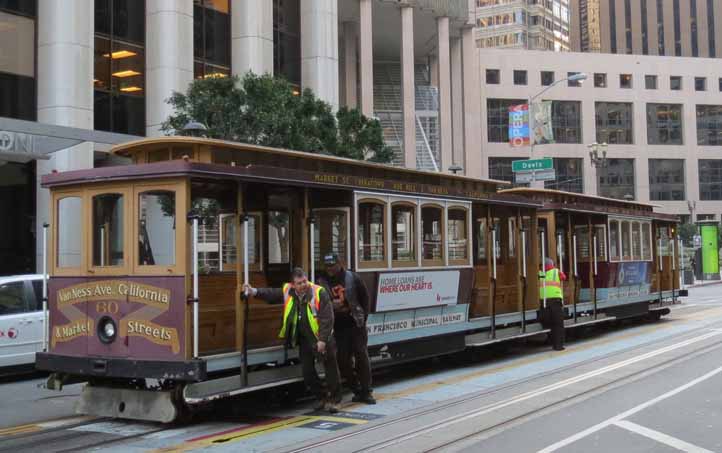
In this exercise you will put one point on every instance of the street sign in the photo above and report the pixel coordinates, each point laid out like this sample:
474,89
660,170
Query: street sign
532,164
531,176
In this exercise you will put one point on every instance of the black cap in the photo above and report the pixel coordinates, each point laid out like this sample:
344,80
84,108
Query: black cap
330,259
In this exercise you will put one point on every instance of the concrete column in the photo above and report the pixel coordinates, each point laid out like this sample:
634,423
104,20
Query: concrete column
319,49
620,31
703,30
434,70
366,62
168,56
717,14
408,89
457,102
251,37
652,36
474,163
604,21
637,28
668,8
444,76
350,57
65,89
686,28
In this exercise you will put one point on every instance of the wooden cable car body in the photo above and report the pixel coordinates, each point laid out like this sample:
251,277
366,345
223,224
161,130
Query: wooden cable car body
441,256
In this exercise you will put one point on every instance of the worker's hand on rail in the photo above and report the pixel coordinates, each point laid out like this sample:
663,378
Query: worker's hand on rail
321,347
249,290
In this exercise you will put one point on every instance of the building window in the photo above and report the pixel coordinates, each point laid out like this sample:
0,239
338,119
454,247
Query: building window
573,83
614,122
17,60
675,83
650,82
547,78
628,25
625,80
613,26
567,121
664,124
600,80
211,46
660,27
693,27
616,180
287,40
700,84
645,29
497,118
711,29
666,179
569,174
519,77
500,169
710,179
119,82
719,82
709,125
492,77
677,29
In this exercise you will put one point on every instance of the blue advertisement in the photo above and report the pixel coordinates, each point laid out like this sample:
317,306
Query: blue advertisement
632,273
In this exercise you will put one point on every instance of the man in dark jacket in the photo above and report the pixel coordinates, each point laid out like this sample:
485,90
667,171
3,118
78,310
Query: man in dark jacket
308,322
351,308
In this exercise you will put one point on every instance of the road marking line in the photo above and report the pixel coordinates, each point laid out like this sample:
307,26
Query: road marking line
662,438
632,411
533,394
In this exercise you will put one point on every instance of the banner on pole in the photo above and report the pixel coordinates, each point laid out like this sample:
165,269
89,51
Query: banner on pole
543,131
519,125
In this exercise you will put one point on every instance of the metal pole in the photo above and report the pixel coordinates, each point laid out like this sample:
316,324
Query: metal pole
543,260
575,271
195,287
660,267
312,228
594,244
674,266
45,287
681,265
102,246
246,281
493,277
560,252
522,252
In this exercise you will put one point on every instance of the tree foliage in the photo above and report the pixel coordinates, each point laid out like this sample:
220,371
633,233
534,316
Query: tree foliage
266,110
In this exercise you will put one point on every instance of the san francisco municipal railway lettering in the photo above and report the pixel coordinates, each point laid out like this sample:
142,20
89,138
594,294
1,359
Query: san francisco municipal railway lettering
415,323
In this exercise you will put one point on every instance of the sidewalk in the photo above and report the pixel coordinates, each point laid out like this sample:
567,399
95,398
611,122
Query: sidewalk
698,283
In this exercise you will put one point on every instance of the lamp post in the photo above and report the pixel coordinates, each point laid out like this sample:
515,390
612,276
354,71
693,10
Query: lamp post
195,129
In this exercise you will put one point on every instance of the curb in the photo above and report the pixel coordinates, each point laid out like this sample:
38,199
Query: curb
698,285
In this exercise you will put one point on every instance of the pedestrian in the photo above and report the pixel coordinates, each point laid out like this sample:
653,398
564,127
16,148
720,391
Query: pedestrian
552,300
351,308
308,323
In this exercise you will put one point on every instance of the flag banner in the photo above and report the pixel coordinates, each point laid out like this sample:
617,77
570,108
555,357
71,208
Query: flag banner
519,125
543,132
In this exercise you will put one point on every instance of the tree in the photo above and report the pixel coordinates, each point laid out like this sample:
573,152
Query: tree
266,110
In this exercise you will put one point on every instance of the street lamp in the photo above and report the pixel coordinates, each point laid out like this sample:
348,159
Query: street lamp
455,168
598,159
195,129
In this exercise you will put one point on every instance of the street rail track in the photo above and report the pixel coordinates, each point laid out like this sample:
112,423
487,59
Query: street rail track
409,434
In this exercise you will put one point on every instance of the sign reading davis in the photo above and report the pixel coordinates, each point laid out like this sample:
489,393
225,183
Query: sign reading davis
532,164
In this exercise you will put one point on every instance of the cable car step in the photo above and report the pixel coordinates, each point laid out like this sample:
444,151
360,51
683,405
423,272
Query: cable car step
200,392
484,338
587,320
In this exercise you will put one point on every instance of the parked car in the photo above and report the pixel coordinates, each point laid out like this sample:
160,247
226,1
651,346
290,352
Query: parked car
21,320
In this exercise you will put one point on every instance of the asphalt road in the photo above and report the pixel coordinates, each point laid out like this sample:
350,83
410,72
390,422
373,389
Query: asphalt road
644,387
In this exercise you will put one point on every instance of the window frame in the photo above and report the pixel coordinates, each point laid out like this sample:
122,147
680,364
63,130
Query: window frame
385,260
394,202
128,251
257,267
434,204
643,223
52,249
348,261
467,215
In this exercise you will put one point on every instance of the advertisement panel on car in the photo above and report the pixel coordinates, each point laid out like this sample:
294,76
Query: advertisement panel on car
404,290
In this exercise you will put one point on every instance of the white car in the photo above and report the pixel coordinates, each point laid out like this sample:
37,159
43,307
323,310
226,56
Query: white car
21,319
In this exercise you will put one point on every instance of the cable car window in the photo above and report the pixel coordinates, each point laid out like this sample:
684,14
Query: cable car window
512,237
601,233
156,229
158,155
663,236
614,240
330,234
583,248
403,237
371,234
432,230
279,237
458,238
229,235
481,240
646,241
69,233
626,241
107,233
636,242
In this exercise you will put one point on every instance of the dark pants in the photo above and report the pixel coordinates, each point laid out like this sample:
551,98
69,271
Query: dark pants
308,354
353,358
554,319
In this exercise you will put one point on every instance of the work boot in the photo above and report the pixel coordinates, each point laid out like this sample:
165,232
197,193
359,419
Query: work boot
320,404
331,407
365,398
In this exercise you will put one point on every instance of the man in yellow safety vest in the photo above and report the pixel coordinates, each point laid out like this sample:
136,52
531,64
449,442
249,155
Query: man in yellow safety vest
308,323
552,302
